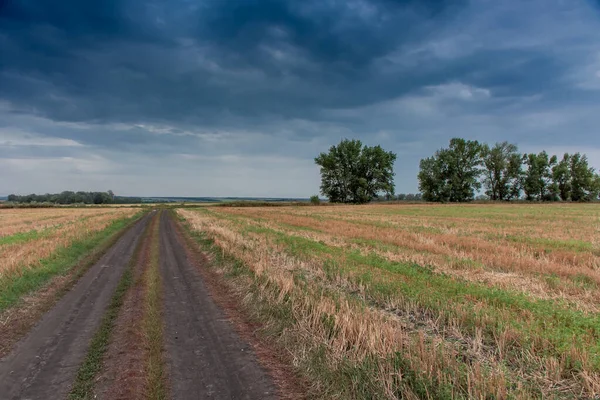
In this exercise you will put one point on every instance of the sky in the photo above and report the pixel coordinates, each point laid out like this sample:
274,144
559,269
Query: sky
237,97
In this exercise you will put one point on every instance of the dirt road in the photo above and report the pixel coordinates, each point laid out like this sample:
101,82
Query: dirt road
205,359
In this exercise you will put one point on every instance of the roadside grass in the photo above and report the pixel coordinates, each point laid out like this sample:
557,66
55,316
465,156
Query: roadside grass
153,322
526,347
91,366
86,250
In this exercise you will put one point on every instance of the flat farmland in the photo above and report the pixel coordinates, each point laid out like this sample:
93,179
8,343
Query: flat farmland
420,301
37,244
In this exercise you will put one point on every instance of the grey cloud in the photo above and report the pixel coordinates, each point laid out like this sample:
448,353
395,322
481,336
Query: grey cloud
137,81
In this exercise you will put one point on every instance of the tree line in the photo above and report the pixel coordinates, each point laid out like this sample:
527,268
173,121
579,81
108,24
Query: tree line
355,173
459,172
68,197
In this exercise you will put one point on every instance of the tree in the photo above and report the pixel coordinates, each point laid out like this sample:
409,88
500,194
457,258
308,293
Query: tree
314,200
537,180
451,174
353,173
432,180
502,171
595,192
583,179
561,176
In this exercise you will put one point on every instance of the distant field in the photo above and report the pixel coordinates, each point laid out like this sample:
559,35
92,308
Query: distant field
36,244
421,301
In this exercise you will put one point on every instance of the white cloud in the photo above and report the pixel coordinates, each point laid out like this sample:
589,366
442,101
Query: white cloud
14,137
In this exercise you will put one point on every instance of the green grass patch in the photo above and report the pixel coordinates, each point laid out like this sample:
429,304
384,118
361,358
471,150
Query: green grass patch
548,244
153,325
22,237
29,279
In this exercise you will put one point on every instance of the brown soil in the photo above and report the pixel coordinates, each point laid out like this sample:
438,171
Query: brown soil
206,358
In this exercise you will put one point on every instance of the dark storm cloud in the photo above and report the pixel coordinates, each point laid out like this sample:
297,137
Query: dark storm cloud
349,34
132,60
249,85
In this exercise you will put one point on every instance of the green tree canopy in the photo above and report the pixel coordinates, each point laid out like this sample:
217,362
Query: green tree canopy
459,171
502,171
537,179
69,197
353,173
584,180
452,174
561,175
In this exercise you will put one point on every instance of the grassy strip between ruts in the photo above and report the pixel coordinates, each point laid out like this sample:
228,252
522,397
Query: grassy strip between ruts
88,370
85,252
153,325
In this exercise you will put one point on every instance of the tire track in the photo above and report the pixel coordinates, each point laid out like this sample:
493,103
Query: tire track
44,363
205,357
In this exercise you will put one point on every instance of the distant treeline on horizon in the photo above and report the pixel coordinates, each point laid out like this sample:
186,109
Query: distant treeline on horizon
68,197
169,199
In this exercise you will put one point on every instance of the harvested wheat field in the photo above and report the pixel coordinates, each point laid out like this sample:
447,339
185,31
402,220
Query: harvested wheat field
37,244
30,235
420,301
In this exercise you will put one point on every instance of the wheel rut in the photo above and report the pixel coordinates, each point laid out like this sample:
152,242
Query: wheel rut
205,357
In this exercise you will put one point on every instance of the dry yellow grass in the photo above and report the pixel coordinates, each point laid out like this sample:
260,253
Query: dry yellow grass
510,256
461,346
29,235
18,220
